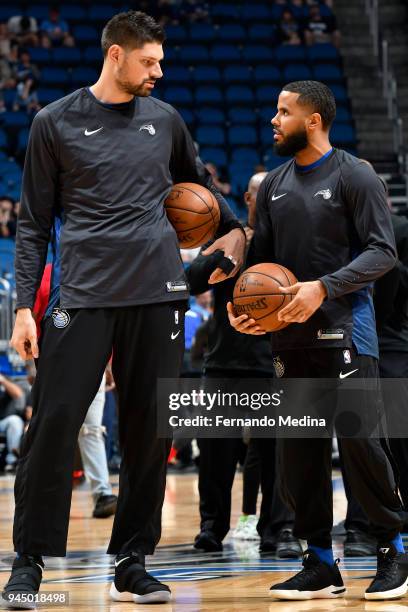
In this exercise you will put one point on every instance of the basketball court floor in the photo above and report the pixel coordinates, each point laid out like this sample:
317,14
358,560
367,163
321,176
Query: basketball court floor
236,579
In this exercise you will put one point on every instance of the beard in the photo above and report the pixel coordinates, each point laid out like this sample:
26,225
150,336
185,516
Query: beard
131,88
291,144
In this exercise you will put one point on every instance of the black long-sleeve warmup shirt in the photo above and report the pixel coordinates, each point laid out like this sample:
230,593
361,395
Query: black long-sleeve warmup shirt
98,174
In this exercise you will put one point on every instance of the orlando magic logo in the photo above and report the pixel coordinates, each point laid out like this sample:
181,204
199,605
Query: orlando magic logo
149,127
60,318
325,193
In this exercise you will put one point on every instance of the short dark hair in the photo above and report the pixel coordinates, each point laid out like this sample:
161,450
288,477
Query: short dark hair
131,30
316,95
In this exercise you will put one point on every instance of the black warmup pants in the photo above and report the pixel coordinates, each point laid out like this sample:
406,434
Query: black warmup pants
393,364
305,464
70,367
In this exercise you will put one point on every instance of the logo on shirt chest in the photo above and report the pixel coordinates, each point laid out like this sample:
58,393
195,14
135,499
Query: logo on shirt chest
149,127
325,193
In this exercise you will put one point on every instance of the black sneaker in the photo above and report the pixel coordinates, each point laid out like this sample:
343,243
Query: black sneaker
359,544
268,544
24,583
317,580
391,579
133,583
207,540
105,506
287,546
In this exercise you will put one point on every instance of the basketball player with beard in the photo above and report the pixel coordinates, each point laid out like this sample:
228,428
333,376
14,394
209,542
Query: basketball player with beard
99,165
324,215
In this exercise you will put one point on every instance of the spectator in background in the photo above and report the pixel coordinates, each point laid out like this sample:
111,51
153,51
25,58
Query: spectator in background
289,30
225,188
55,28
320,29
12,403
27,76
203,305
7,80
198,313
8,220
4,40
24,29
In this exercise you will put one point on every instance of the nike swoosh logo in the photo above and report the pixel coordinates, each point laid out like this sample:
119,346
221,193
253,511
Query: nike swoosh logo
341,375
121,561
88,133
174,336
274,197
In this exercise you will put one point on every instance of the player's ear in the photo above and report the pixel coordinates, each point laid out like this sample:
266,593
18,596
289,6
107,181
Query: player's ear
114,52
247,198
315,121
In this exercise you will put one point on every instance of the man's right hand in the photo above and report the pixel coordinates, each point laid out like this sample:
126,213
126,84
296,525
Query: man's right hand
24,338
243,323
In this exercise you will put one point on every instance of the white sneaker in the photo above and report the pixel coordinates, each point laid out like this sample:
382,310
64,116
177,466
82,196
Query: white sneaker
246,527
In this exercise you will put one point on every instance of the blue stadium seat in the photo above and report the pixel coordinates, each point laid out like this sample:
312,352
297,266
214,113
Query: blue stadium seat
39,56
242,135
238,74
9,96
267,135
245,155
54,76
66,56
93,55
194,53
339,93
176,33
203,74
231,31
3,155
229,11
177,74
257,53
6,256
171,54
266,113
271,160
327,72
207,114
299,12
267,73
267,94
239,211
262,31
208,95
202,32
255,12
178,95
85,34
290,53
39,11
276,12
84,76
297,72
225,53
343,114
238,114
49,94
187,115
9,166
73,12
239,94
342,134
214,155
211,135
101,12
322,52
8,11
22,140
14,119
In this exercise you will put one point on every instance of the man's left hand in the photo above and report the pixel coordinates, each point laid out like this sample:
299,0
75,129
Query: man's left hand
308,298
233,246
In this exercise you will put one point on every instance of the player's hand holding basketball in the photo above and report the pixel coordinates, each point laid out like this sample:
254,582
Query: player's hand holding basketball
233,246
243,323
24,338
308,298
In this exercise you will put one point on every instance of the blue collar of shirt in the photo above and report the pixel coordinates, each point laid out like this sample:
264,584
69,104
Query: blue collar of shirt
315,164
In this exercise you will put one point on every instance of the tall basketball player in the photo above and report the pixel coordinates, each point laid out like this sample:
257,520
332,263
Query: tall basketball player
100,163
324,215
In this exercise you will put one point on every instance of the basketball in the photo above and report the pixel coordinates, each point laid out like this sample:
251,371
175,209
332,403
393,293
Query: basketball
194,213
256,293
